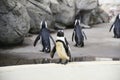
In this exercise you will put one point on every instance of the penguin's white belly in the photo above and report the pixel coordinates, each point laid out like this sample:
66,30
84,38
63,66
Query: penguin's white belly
61,51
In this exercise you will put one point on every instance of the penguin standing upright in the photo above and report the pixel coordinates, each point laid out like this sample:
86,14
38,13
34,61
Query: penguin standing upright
79,34
62,48
45,36
116,27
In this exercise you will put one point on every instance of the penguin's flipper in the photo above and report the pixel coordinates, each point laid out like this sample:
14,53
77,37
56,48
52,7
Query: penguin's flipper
67,48
72,35
52,39
69,54
111,28
113,24
36,40
66,42
84,35
53,52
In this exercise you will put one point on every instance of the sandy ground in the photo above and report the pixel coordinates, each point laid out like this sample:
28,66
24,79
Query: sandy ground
99,43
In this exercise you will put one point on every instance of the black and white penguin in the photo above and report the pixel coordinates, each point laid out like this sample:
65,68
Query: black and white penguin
45,36
116,27
62,48
78,34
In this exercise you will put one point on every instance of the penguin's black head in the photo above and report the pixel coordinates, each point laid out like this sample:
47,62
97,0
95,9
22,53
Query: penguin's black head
60,33
43,24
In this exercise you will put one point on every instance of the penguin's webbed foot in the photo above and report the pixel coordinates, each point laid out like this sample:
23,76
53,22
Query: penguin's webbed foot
82,44
65,62
114,36
47,51
75,45
60,61
70,60
41,50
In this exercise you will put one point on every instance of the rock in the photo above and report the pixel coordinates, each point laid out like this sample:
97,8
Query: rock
18,17
112,9
85,5
39,10
98,16
84,16
14,22
59,26
83,11
104,16
23,2
62,12
51,10
54,6
66,12
90,13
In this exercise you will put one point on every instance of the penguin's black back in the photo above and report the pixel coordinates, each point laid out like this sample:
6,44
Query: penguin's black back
117,25
78,32
45,34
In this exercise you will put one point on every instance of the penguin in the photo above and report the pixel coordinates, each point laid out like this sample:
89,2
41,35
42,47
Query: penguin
62,48
45,36
116,27
78,34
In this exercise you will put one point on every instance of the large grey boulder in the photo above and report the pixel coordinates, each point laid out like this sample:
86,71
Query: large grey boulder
14,22
83,10
18,17
85,5
54,6
66,12
98,16
54,11
112,9
39,10
90,12
63,13
23,2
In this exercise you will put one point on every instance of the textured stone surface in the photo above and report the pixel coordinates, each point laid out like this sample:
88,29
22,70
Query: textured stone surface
38,11
85,4
18,17
63,12
14,22
98,16
111,9
66,14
